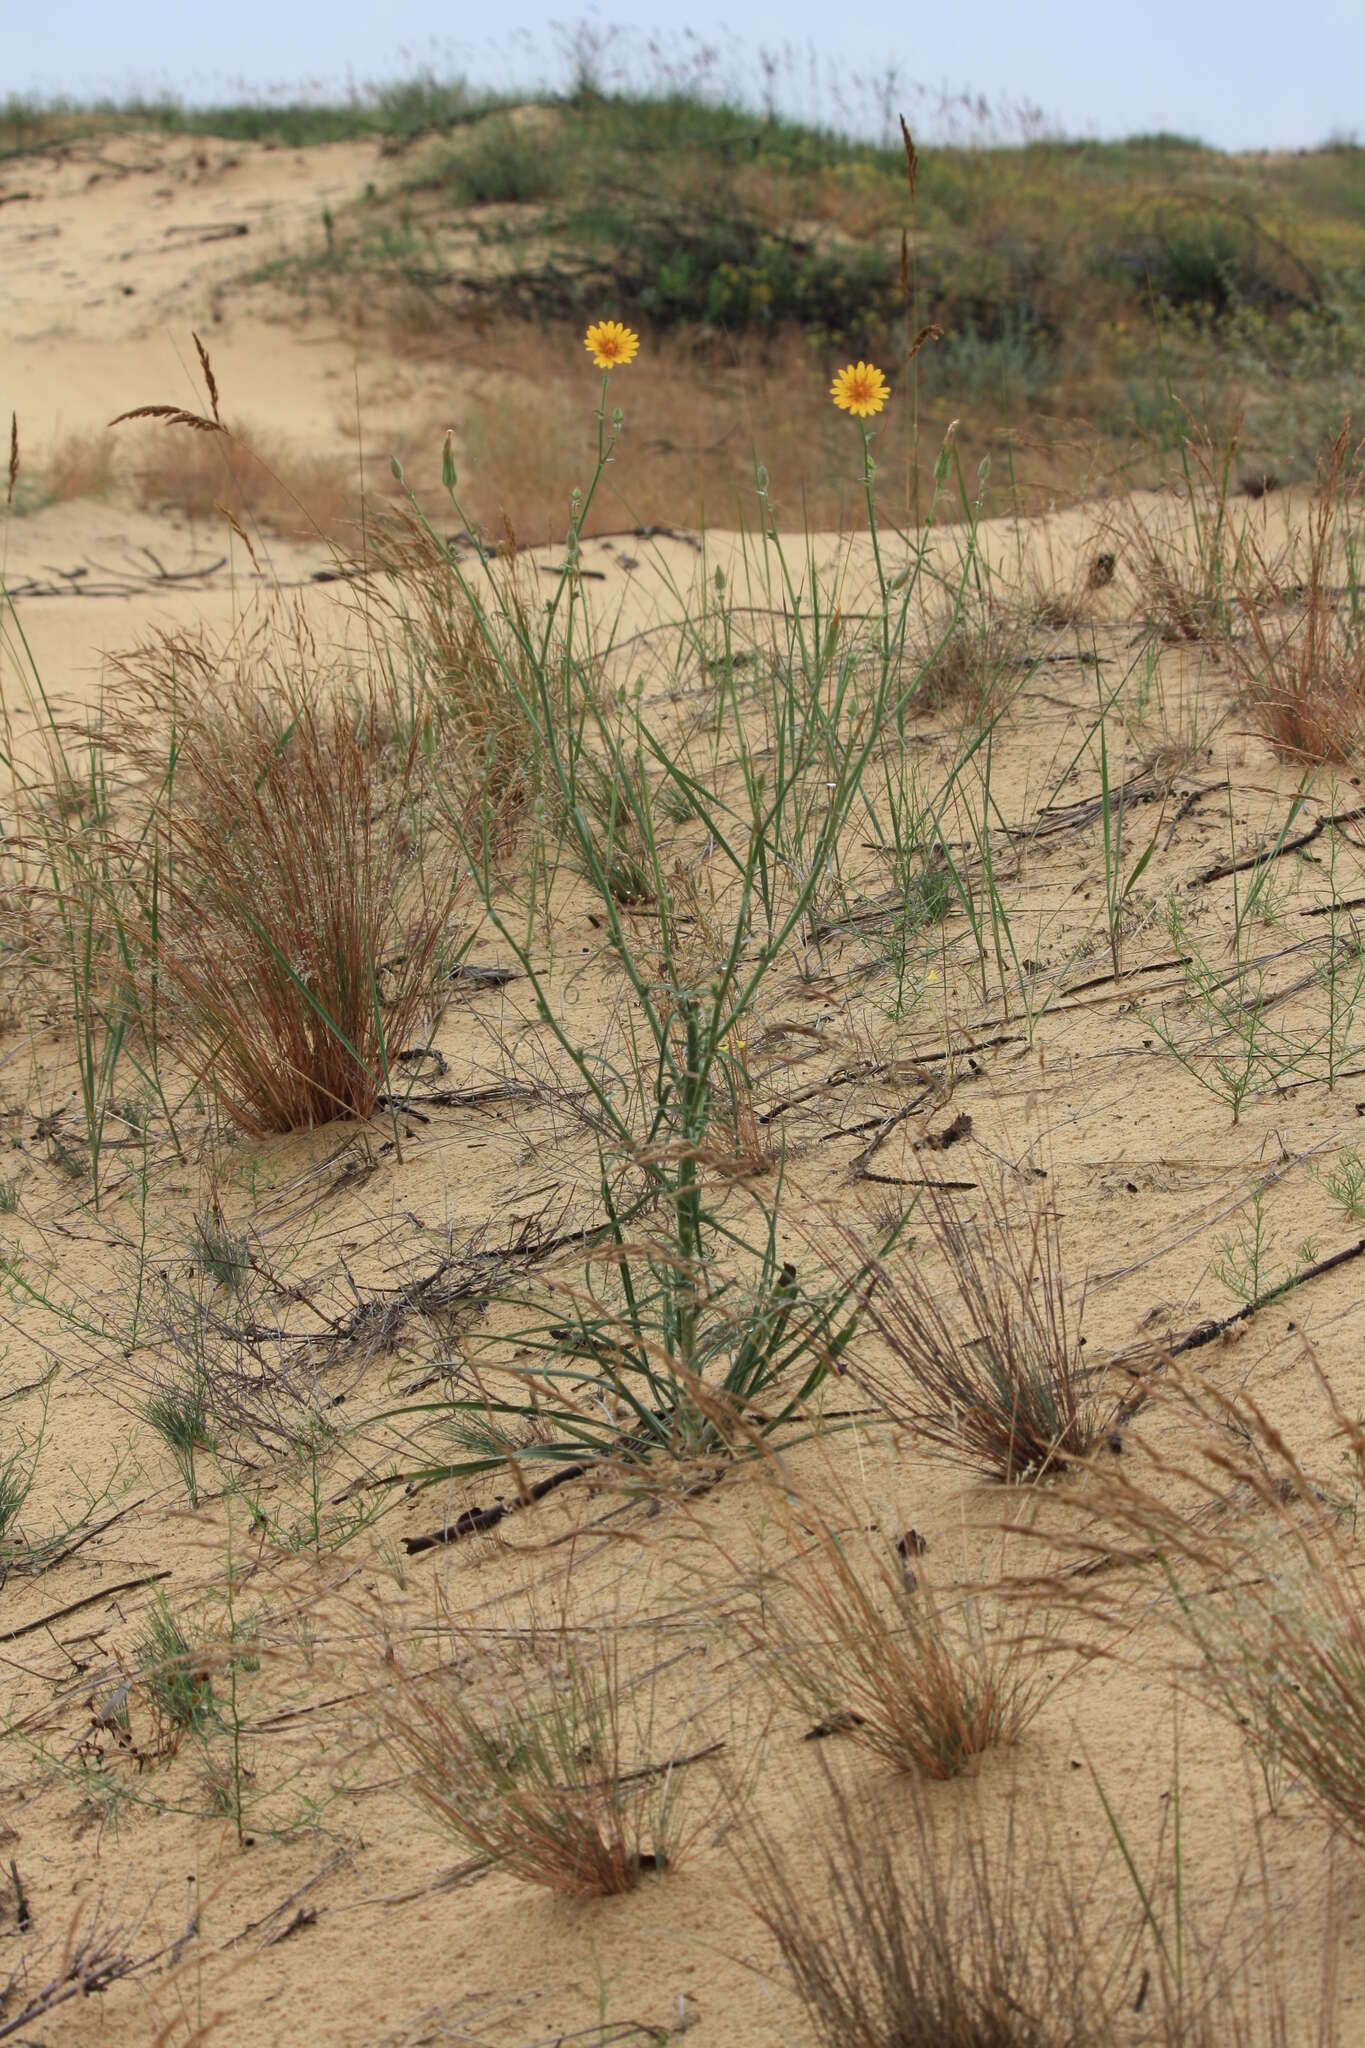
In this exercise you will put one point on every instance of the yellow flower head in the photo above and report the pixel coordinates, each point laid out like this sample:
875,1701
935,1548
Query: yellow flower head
860,389
609,343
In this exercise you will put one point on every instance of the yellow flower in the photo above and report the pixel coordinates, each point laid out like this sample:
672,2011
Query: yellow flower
860,389
609,343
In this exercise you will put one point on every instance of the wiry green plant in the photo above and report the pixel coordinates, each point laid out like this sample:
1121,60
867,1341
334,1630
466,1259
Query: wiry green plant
676,1317
180,1417
16,1483
1345,1183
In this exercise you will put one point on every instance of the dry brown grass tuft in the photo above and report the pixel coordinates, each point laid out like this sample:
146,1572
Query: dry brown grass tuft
1307,686
537,1778
474,679
1011,1393
1263,1566
280,489
78,466
297,896
851,1630
900,1929
968,659
981,1947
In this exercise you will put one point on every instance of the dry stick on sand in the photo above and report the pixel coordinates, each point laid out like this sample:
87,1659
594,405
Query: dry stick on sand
91,1958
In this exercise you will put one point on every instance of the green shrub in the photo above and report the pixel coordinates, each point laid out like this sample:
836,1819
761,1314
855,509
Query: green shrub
1213,267
727,270
502,166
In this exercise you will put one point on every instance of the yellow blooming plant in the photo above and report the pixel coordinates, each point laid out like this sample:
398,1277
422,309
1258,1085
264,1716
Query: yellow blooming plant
860,389
610,344
762,1340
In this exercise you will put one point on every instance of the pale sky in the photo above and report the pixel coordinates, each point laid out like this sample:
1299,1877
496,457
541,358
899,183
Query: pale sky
1252,75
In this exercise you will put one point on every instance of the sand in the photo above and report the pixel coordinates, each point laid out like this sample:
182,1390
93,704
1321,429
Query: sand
345,1914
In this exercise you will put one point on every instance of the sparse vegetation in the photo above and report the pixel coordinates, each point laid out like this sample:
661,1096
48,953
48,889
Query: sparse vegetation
1001,1383
562,1106
543,1781
850,1626
1258,1561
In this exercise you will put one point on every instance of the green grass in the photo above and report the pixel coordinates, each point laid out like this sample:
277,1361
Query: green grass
174,1672
399,112
1027,246
1007,235
1044,263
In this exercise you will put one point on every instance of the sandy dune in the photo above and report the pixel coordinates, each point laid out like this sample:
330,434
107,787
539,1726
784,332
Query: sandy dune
346,1915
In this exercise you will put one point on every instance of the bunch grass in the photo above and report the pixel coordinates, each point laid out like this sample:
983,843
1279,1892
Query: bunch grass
303,904
539,1777
1001,1385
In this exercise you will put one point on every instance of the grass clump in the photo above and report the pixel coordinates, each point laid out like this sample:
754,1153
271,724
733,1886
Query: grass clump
218,1251
16,1483
971,659
1261,1564
538,1779
1188,556
1306,682
77,466
1005,1387
661,1352
976,1949
180,1416
175,1678
1345,1183
259,484
472,690
299,928
899,1929
852,1631
502,163
611,801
